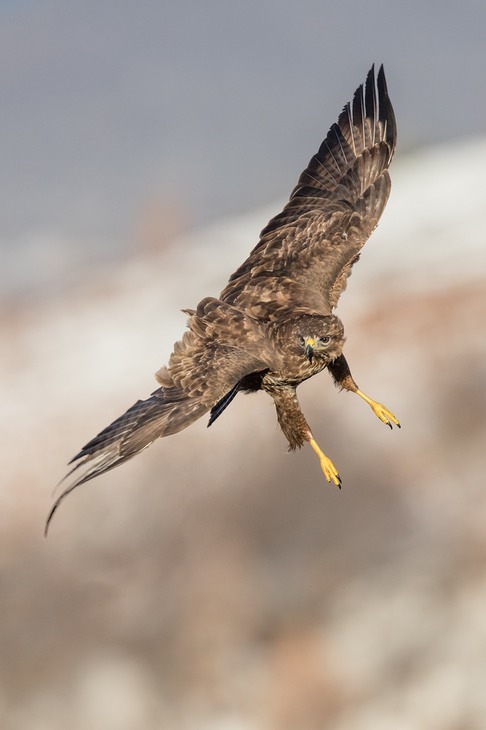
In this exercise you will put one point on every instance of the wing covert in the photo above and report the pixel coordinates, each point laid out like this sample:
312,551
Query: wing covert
221,346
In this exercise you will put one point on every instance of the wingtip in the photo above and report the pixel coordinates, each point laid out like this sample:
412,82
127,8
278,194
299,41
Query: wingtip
381,81
387,114
64,494
50,516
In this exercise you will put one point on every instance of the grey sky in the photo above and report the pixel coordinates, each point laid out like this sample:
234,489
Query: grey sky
215,105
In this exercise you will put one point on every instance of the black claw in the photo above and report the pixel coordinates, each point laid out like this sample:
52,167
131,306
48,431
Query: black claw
398,425
389,424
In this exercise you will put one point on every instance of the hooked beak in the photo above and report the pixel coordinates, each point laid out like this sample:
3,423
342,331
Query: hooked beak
309,344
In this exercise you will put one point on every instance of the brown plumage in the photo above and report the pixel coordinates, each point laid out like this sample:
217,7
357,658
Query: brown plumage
273,325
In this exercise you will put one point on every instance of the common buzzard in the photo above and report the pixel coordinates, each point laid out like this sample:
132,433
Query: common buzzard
273,326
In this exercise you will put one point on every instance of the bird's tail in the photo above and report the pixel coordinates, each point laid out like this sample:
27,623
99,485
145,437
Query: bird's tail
167,411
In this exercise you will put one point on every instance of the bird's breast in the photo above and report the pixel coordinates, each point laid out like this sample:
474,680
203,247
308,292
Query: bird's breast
293,371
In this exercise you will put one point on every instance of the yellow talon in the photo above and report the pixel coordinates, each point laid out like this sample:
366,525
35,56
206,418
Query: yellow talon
328,468
379,410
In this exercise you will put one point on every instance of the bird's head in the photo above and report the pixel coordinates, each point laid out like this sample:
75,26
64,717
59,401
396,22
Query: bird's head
321,337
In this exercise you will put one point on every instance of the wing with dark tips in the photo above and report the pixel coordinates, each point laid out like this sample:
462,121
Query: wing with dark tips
306,252
221,347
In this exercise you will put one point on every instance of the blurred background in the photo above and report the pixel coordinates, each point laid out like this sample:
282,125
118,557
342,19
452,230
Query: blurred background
217,582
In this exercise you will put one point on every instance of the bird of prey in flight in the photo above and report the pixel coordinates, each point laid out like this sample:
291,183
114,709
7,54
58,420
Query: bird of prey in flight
273,325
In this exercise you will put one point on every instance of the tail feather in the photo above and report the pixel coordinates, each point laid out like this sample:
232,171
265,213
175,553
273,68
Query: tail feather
167,411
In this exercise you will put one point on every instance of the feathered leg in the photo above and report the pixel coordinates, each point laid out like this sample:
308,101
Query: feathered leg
297,430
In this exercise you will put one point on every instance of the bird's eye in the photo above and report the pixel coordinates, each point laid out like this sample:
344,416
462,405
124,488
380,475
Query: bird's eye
324,340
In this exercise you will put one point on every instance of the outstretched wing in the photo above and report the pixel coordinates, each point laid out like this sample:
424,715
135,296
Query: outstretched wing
306,252
166,411
221,347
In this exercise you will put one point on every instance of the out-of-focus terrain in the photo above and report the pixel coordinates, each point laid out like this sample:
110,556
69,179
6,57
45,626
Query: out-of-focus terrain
216,581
